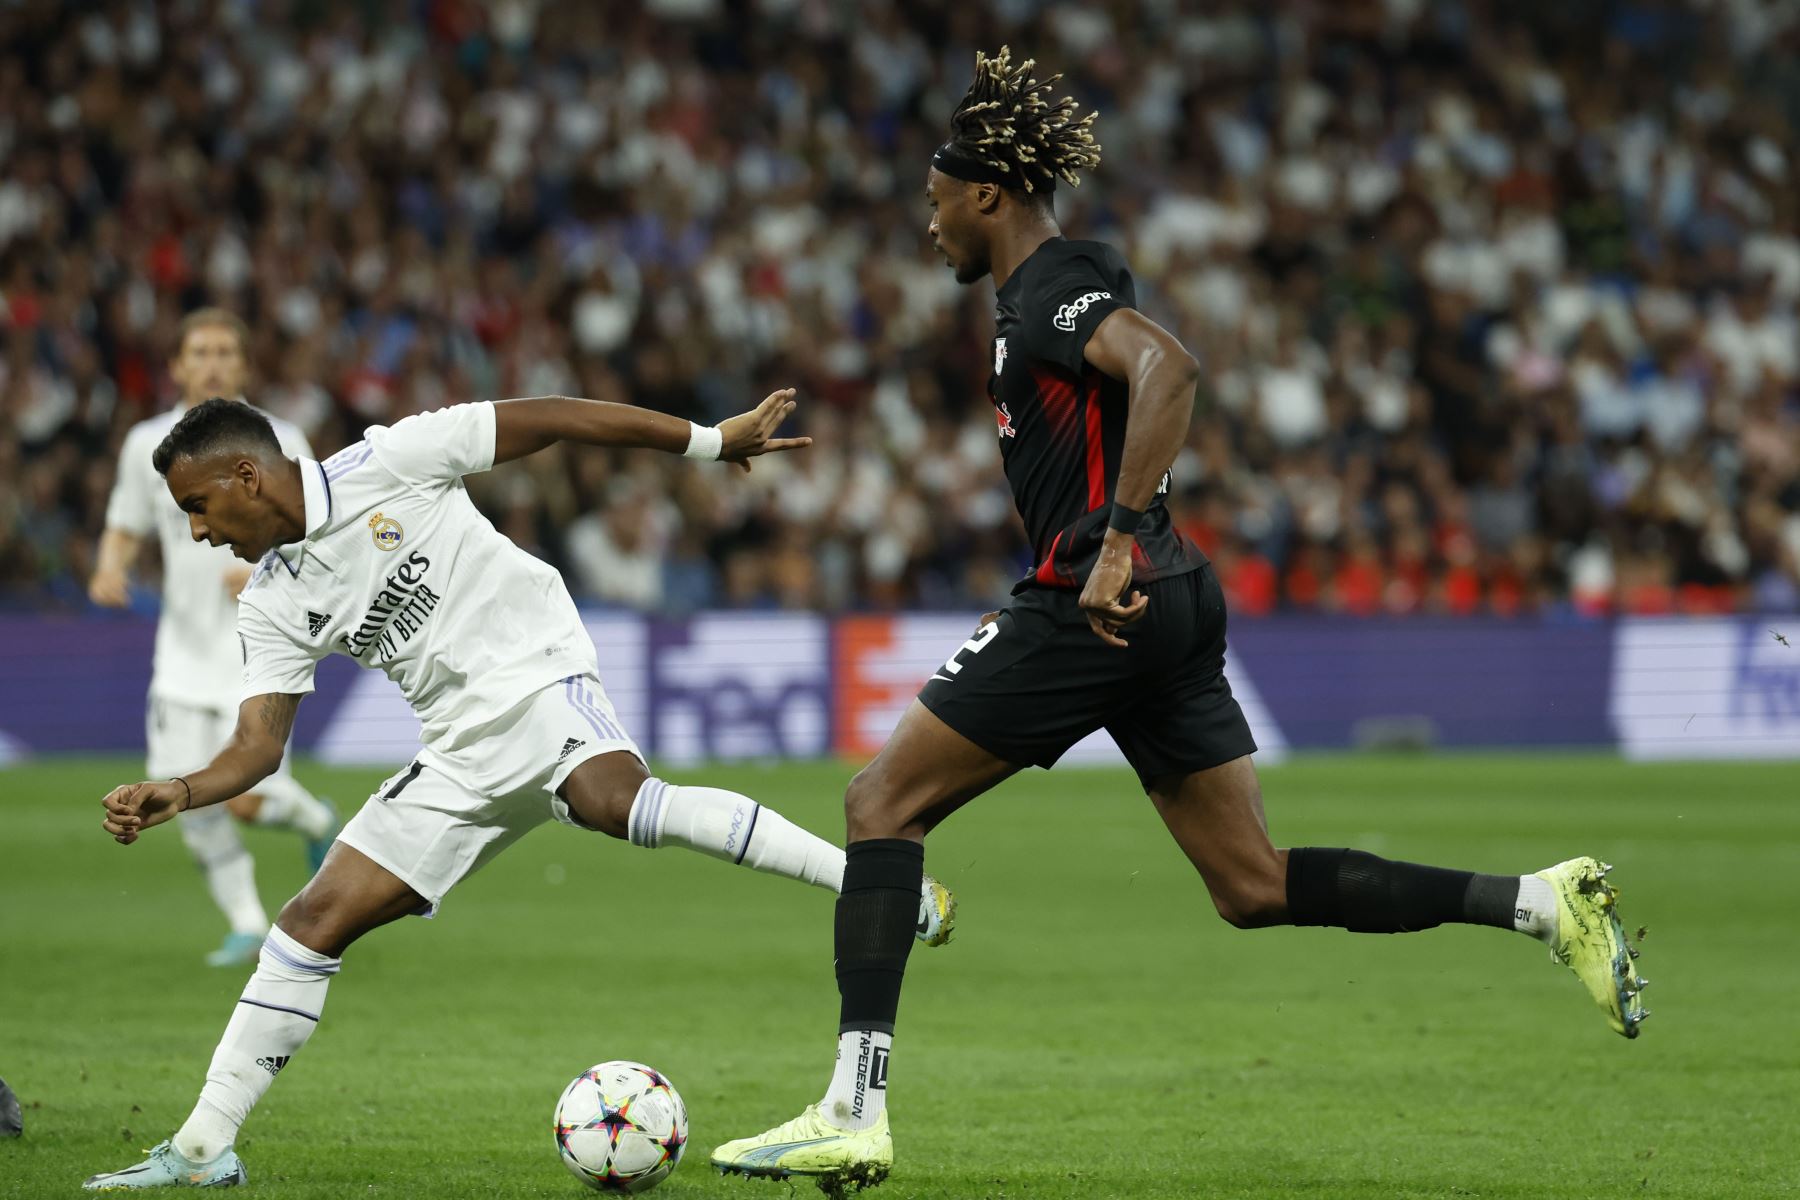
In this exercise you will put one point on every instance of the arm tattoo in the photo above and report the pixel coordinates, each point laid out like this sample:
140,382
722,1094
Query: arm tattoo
277,713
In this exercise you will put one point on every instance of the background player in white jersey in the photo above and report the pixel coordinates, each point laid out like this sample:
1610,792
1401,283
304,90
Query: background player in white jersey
379,554
194,680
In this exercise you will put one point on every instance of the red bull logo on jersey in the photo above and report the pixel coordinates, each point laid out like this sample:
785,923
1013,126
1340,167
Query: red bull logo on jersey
1005,420
386,531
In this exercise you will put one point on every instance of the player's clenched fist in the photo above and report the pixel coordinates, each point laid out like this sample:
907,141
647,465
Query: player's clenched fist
135,807
109,589
1103,599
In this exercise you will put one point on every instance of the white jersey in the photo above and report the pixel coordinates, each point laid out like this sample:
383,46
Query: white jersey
197,660
400,572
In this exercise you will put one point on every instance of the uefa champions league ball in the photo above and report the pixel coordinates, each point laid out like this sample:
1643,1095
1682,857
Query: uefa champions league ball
621,1127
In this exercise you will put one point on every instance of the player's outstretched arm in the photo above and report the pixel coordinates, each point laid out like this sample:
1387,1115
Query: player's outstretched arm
1161,376
528,425
252,754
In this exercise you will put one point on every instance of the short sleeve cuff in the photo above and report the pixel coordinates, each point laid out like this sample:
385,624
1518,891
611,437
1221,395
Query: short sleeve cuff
1088,321
291,686
130,519
486,431
126,512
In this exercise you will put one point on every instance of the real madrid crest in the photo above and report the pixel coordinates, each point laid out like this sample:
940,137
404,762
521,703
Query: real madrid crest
386,531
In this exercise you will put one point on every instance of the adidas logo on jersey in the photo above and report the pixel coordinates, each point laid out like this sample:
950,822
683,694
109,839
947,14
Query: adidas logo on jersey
273,1064
570,747
315,622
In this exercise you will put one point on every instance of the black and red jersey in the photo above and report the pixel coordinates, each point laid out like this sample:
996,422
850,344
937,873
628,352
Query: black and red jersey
1062,422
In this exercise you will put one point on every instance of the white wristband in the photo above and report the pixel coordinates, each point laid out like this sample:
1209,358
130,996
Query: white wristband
704,441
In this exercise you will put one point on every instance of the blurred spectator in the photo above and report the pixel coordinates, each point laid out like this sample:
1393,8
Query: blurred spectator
1496,302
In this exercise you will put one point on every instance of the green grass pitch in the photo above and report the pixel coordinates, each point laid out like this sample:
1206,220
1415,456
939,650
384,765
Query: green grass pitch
1094,1030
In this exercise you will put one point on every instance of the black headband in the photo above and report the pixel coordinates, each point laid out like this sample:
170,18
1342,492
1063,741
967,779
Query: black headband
971,170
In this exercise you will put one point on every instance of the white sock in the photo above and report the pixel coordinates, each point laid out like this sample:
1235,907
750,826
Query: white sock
212,838
287,805
1535,910
734,828
858,1091
276,1014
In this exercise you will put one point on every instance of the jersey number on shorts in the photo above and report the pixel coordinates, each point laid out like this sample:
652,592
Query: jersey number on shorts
983,636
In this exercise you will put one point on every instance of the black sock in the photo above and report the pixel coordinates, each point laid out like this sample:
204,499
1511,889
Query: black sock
877,914
1366,894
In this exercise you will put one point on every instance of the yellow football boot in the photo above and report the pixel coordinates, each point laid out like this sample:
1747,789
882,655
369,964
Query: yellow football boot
1590,941
811,1146
937,913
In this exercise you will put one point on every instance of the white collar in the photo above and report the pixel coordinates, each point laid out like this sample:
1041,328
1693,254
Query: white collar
316,490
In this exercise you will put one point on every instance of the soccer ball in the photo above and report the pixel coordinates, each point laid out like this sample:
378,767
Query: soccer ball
621,1127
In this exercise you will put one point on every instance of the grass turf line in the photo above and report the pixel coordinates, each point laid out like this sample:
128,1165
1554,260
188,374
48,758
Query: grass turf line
1094,1030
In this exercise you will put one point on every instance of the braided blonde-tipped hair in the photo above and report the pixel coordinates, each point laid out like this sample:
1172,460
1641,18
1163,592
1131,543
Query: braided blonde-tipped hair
1009,122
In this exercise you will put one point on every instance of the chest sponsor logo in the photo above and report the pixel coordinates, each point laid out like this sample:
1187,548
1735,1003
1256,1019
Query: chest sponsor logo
397,613
999,355
386,531
1004,419
1065,316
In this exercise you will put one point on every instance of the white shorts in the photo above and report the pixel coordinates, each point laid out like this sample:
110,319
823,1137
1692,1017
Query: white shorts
445,816
180,738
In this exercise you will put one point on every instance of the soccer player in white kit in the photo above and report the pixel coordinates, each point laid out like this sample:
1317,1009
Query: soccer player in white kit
194,680
379,554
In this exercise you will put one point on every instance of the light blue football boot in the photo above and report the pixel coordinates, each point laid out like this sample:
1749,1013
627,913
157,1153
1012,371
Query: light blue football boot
238,949
167,1168
317,848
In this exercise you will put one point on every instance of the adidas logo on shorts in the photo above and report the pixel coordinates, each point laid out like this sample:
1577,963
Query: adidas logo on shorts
569,747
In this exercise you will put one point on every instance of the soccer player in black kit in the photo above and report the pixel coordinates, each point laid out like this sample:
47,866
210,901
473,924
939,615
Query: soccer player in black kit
1120,625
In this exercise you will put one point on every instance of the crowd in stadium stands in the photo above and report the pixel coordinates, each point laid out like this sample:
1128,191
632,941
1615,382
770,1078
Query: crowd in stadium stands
1495,303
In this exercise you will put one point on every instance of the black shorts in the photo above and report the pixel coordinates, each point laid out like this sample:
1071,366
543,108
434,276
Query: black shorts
1037,680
